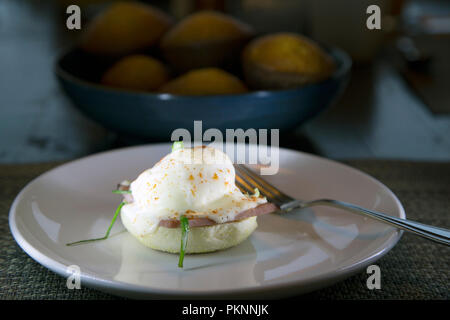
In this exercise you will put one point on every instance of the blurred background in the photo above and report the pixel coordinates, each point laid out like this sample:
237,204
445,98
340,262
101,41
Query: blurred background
397,103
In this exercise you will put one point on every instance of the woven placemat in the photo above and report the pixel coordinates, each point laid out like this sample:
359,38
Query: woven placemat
414,269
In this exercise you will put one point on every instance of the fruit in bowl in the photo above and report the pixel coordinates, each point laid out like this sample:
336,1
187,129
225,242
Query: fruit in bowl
207,81
123,28
153,115
201,72
136,72
205,39
284,60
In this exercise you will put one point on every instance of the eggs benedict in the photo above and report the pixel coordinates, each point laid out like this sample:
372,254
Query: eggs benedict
193,189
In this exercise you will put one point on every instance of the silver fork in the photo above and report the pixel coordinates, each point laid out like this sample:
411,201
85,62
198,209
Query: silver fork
247,181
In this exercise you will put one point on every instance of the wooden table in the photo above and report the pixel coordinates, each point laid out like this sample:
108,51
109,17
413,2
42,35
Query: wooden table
378,116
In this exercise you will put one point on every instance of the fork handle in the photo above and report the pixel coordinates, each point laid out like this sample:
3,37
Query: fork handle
436,234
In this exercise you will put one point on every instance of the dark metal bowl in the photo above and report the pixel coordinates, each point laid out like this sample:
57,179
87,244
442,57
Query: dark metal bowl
151,115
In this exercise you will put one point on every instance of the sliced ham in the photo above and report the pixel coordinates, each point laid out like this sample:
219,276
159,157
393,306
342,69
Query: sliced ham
203,222
127,197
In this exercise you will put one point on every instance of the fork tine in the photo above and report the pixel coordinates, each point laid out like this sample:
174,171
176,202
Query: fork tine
243,185
243,176
269,197
263,184
240,187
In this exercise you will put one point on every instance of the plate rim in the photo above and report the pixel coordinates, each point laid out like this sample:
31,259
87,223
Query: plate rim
90,280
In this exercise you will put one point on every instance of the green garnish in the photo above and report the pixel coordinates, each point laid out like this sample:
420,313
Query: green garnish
184,224
256,194
177,145
107,232
121,191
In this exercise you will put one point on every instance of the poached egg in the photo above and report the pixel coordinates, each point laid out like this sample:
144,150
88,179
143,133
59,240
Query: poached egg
195,182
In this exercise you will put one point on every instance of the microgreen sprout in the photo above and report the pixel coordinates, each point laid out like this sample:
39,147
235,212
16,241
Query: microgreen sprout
121,191
107,232
184,224
177,145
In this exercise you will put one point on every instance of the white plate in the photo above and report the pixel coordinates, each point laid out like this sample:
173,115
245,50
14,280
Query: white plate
288,254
